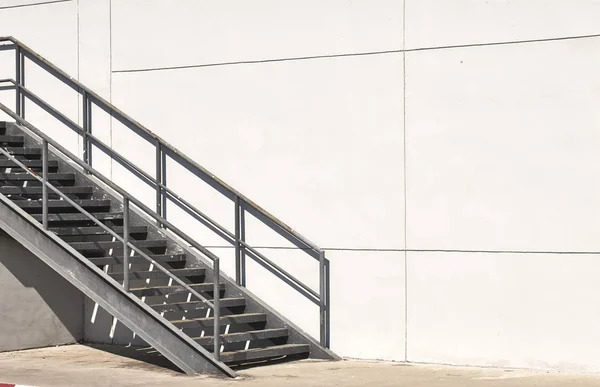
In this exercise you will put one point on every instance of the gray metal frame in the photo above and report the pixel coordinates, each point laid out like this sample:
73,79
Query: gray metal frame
242,204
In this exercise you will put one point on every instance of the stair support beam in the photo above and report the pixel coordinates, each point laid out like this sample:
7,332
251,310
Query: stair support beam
85,276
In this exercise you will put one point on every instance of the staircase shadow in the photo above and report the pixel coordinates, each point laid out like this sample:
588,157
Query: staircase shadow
274,361
150,358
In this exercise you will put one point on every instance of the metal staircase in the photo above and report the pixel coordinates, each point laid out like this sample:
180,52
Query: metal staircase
129,258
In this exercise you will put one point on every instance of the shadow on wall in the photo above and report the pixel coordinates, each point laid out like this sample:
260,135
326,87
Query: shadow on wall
37,306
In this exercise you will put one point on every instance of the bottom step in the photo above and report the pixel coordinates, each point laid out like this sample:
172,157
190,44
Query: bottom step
263,354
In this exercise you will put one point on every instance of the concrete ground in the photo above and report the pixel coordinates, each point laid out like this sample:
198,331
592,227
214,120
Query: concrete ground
79,365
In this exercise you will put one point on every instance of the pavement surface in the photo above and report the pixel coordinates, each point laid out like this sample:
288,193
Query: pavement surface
79,365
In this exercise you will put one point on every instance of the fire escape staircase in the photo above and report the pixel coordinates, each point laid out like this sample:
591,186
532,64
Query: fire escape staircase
129,258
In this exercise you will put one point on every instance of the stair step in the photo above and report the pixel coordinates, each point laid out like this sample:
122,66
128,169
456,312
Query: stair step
106,245
58,205
66,177
239,337
187,272
81,218
258,354
36,192
28,152
197,305
11,140
150,291
246,318
137,259
74,231
33,164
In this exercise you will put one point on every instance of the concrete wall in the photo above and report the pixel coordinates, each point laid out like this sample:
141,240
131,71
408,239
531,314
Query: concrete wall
38,308
443,152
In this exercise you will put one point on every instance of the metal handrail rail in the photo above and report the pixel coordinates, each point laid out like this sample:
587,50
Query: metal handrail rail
147,179
163,148
116,111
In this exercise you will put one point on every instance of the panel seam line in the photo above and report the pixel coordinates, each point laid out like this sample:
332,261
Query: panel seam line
358,54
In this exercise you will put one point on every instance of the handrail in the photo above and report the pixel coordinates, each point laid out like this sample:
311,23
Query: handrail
164,149
113,109
172,194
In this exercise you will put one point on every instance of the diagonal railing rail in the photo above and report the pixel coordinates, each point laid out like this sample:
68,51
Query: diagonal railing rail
164,194
214,305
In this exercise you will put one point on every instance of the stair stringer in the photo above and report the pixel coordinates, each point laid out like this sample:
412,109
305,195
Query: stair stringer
109,294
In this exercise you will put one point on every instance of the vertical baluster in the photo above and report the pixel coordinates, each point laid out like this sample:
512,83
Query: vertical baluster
238,257
126,243
242,247
45,184
328,305
323,299
18,80
163,164
217,310
85,128
88,122
158,177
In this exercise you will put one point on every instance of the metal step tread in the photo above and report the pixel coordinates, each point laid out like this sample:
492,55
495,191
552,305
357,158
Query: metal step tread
149,291
194,305
187,272
103,245
53,203
24,176
244,336
138,259
265,353
14,190
245,318
81,217
11,139
19,150
91,230
6,163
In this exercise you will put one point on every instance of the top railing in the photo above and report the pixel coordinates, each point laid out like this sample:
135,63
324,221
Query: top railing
163,193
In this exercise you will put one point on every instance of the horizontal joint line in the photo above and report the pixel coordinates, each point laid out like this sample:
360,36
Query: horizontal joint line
33,4
371,53
423,250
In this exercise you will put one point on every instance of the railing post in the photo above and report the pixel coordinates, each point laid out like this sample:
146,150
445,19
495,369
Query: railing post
161,179
217,310
238,258
328,305
242,247
126,243
240,236
323,299
45,184
87,128
18,75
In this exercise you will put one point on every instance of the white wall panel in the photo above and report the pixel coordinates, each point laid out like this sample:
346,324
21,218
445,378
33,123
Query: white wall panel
505,310
502,147
162,33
